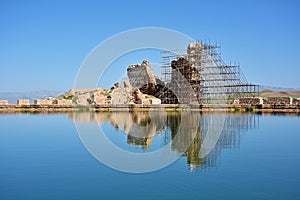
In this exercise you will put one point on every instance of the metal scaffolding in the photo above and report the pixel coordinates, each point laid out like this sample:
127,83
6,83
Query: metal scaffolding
201,76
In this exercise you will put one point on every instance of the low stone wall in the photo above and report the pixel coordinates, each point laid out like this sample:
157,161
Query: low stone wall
43,102
63,102
296,101
250,100
3,102
278,101
23,102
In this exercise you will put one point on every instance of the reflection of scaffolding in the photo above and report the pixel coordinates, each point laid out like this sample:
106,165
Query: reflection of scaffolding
234,126
211,79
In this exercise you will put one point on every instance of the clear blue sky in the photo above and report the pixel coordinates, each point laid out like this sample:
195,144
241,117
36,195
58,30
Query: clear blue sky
43,43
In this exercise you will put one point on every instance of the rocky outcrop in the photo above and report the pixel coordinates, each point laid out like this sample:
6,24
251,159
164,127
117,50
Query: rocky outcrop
86,97
116,96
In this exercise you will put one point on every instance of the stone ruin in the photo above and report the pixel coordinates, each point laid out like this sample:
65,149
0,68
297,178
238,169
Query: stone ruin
43,101
142,78
23,102
141,74
132,95
117,95
184,86
185,81
278,100
3,102
62,102
296,101
87,97
267,101
249,101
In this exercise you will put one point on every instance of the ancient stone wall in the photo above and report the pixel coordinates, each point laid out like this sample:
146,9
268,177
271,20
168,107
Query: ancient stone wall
101,96
278,100
250,100
121,96
85,97
127,84
185,81
3,102
63,102
43,101
296,101
23,102
141,74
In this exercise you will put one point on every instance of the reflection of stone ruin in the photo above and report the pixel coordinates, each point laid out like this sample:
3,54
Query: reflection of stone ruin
140,127
229,137
186,131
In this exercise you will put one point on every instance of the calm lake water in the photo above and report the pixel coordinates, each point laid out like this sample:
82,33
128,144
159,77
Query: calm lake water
42,156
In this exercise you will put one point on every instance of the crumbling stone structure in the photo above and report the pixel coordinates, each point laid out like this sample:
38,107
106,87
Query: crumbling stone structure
141,74
122,96
140,98
278,100
3,102
296,101
185,81
62,102
86,97
23,102
141,77
43,101
250,101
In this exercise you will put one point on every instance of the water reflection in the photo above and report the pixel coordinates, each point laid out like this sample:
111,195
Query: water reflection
198,137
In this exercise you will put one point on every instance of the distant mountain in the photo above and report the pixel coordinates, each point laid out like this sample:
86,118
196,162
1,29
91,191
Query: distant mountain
12,97
277,89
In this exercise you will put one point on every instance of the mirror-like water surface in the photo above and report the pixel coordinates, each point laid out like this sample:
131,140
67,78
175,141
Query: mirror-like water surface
247,156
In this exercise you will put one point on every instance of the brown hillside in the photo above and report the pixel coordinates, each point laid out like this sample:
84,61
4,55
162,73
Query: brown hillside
294,94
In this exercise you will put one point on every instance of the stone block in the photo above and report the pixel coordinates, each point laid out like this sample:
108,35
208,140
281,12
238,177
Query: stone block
23,102
141,74
3,102
296,101
279,100
43,101
63,102
250,101
121,96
